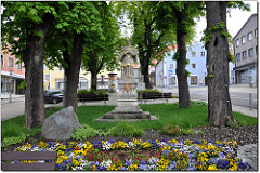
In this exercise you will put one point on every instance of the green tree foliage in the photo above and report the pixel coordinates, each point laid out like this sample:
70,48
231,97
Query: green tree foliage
182,14
100,49
75,24
25,26
151,34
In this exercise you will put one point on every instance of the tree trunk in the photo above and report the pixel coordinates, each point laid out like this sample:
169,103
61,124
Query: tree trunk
223,6
145,72
184,100
72,73
216,66
94,80
33,59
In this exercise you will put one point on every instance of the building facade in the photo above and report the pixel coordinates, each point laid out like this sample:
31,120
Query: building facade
53,79
12,74
166,70
246,51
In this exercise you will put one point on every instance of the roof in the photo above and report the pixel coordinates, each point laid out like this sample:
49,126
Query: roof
255,14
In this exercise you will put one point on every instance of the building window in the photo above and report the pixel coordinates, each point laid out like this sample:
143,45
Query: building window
44,66
250,52
171,66
193,54
194,65
244,39
11,62
19,66
237,43
172,80
244,55
2,60
202,54
47,77
202,47
194,80
256,33
60,68
256,49
238,57
59,85
249,36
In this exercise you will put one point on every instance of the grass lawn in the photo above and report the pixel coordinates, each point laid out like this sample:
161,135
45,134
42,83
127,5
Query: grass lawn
191,117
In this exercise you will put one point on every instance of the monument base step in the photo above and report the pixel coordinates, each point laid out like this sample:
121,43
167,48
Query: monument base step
127,116
130,120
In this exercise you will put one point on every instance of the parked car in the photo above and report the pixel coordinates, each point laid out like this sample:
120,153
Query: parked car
52,96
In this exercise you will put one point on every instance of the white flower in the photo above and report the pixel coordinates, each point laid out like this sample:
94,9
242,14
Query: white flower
106,164
153,161
78,169
106,146
130,145
162,144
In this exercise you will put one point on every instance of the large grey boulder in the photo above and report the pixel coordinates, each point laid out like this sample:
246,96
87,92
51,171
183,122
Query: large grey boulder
61,124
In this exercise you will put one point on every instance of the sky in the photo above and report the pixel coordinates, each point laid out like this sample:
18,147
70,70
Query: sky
234,23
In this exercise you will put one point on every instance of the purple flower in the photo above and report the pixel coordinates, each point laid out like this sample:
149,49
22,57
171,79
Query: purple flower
143,162
143,166
111,140
122,169
191,169
242,165
128,162
164,140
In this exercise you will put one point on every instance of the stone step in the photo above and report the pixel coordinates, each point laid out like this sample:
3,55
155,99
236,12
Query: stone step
127,116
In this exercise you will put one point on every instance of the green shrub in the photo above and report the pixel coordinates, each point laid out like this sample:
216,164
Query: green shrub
171,129
125,129
7,141
187,131
84,133
149,91
100,92
201,132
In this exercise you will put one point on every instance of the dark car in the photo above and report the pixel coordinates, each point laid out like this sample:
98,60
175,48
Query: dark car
52,96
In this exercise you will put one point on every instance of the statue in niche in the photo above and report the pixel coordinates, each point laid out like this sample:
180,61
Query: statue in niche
127,59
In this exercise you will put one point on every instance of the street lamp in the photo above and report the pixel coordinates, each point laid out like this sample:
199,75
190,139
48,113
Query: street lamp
11,75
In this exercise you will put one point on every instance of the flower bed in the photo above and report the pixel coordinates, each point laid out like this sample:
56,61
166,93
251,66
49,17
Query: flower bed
138,155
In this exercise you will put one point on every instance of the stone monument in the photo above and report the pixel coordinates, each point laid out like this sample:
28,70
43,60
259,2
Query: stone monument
127,101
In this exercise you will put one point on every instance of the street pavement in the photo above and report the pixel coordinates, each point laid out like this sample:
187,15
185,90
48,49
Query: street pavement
238,95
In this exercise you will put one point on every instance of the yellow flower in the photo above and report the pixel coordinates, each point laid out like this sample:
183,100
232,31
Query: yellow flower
234,168
59,160
212,167
162,167
60,153
173,141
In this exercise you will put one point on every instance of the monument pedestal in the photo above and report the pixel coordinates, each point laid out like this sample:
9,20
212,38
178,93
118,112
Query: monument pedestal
127,104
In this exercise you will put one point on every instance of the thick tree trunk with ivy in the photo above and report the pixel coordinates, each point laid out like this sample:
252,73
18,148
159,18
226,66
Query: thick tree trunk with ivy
72,72
33,59
216,64
229,103
184,100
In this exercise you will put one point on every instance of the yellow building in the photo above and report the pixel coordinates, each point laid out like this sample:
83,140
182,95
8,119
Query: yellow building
54,79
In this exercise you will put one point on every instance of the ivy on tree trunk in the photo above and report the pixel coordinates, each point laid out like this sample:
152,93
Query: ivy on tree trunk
217,65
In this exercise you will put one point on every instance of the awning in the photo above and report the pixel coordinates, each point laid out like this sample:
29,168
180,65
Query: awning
245,66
